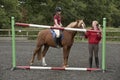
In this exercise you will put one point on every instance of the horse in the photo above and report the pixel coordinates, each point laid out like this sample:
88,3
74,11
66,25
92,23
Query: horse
45,39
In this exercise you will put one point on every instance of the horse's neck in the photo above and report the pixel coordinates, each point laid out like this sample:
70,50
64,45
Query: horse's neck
72,33
72,25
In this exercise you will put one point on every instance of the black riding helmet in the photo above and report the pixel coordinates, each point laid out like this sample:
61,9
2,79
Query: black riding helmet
58,9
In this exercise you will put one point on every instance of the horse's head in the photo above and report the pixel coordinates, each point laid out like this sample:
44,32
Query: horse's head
80,24
77,24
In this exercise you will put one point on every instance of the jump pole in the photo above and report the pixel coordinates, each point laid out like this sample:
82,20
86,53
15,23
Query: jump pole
51,27
57,68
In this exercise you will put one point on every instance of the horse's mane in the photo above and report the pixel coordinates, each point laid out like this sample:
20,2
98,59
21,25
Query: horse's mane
73,24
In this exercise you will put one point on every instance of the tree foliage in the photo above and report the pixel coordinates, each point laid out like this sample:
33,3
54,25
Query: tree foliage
42,11
8,8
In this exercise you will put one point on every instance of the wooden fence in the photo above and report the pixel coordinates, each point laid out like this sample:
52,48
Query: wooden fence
112,35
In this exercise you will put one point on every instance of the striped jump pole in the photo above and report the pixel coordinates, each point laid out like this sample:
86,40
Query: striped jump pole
51,27
58,68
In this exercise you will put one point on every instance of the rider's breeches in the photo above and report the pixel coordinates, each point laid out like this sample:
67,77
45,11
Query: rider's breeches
57,33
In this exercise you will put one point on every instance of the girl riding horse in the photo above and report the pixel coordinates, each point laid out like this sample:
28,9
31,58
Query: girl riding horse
57,23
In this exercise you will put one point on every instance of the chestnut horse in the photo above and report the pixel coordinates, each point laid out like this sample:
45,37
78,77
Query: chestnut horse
45,39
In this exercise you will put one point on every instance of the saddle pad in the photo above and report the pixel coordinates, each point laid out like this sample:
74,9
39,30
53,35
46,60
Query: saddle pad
54,34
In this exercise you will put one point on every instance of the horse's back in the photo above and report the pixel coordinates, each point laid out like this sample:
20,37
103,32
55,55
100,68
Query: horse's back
45,37
44,32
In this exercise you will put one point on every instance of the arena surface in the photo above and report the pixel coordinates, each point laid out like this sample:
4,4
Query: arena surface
78,58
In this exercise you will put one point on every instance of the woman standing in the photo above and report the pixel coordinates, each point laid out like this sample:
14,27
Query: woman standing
94,36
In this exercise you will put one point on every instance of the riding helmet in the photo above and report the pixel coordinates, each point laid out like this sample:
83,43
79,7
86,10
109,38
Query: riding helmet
58,9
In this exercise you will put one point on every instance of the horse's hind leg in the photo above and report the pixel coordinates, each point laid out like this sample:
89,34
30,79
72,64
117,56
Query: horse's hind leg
36,51
46,47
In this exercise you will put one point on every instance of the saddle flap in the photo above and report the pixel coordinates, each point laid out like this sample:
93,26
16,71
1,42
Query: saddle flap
57,40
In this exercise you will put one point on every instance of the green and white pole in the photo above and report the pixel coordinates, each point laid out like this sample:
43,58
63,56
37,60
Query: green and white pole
104,45
13,44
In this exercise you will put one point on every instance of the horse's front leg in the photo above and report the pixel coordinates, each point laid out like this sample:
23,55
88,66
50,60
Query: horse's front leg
46,47
66,51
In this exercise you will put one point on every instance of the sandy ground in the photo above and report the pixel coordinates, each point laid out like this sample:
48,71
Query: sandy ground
78,58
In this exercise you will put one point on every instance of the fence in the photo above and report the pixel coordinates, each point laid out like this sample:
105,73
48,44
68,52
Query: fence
30,34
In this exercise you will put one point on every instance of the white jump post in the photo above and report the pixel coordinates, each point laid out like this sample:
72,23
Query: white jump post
38,67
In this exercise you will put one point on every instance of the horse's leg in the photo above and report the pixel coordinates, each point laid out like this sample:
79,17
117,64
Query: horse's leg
36,51
66,51
46,47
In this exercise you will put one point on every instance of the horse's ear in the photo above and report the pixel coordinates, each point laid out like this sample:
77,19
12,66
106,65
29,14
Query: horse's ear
77,21
82,20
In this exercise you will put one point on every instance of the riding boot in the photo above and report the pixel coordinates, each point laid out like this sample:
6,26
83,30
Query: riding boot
97,62
57,42
90,62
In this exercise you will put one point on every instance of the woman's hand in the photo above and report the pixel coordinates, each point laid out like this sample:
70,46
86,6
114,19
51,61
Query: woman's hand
99,27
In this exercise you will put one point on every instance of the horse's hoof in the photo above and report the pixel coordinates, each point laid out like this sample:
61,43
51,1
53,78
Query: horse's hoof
31,63
64,66
44,64
67,65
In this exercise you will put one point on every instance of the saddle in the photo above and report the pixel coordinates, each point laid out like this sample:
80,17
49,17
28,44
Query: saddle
57,40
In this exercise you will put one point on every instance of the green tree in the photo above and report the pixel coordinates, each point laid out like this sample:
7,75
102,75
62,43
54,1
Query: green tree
8,8
115,13
42,11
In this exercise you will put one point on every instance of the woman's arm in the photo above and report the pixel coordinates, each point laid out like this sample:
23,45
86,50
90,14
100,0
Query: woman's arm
99,36
86,34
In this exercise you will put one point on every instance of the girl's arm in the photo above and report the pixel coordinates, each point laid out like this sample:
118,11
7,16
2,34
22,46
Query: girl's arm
55,20
61,24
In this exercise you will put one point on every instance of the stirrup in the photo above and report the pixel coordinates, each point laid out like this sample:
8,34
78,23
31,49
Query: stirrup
57,46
